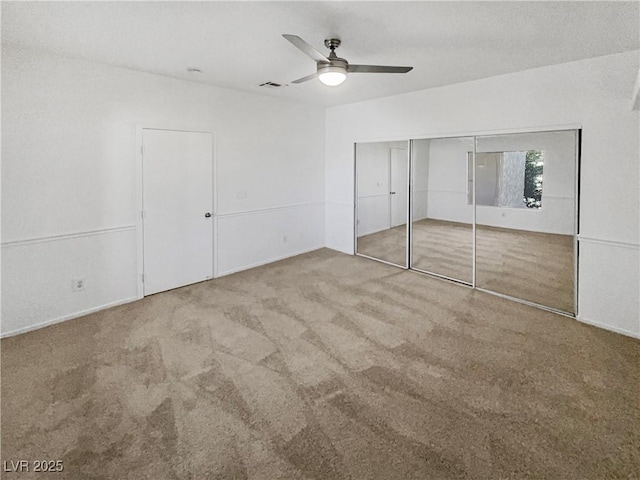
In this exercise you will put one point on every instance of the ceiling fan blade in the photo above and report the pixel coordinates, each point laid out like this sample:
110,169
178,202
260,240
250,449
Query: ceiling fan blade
305,79
306,48
377,69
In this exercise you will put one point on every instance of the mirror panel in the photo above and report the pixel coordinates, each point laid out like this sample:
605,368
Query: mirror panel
382,179
442,217
525,216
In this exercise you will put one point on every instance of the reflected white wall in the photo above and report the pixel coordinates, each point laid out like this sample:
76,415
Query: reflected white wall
373,186
557,214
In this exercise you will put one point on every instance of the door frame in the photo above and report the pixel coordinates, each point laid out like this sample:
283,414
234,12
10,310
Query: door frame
139,198
391,149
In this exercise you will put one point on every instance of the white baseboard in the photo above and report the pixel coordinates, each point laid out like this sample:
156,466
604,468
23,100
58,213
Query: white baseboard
64,318
265,262
611,328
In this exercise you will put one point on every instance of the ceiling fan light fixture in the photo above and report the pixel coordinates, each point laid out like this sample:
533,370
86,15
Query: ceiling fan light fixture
332,76
333,70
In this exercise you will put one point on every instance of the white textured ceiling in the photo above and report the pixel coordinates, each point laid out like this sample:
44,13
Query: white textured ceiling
239,45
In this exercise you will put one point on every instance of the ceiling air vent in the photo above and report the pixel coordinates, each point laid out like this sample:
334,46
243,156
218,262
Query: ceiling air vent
270,85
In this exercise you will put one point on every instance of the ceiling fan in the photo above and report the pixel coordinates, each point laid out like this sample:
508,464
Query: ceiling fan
333,70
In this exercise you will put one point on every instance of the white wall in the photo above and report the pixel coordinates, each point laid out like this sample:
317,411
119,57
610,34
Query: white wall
486,178
593,93
69,184
447,179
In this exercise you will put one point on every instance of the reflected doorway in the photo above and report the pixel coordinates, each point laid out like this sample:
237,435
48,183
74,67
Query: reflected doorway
382,187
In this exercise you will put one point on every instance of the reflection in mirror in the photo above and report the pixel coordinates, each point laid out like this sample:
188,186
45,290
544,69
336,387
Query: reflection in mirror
507,179
442,228
382,198
525,215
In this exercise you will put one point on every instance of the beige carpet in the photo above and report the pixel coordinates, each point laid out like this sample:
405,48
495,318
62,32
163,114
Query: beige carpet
445,248
323,366
537,267
388,245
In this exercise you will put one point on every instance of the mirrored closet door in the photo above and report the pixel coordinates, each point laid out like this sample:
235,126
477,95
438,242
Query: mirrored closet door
442,208
525,190
495,212
382,203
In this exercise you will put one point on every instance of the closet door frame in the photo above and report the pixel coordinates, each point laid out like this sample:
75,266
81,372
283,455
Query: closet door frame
577,128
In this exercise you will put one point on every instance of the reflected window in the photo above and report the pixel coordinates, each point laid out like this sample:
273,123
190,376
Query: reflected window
507,179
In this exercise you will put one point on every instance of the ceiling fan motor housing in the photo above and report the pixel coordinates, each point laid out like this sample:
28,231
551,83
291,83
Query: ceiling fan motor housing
337,64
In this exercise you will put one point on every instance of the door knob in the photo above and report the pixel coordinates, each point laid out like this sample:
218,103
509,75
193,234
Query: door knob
207,215
392,193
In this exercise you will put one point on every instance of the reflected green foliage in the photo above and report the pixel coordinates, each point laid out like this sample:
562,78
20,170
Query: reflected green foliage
533,178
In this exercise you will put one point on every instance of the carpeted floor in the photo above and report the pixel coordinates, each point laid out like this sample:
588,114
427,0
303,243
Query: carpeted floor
323,366
533,266
388,245
537,267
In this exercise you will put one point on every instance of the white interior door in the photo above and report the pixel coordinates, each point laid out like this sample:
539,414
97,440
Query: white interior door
177,205
398,180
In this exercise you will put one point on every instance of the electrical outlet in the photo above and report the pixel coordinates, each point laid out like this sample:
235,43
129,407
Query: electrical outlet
77,284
